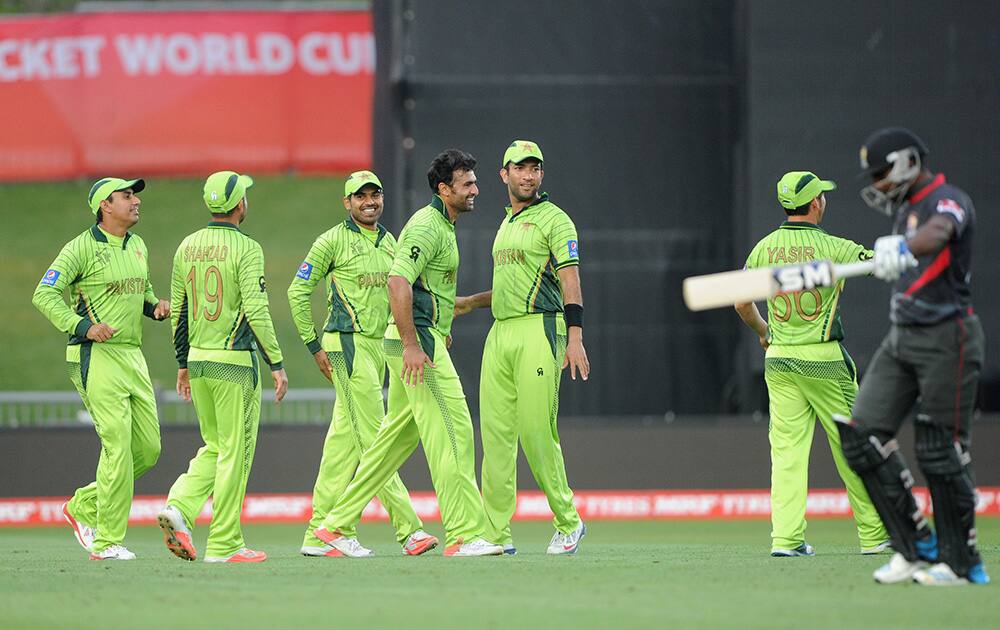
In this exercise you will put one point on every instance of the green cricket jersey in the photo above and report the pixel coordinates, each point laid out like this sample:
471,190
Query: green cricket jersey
805,317
357,262
530,248
108,281
427,256
219,297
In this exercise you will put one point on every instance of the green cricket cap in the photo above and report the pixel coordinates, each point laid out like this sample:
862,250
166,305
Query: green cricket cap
103,188
800,187
225,189
358,180
521,150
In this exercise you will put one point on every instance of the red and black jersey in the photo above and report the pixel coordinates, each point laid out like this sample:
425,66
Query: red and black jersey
938,288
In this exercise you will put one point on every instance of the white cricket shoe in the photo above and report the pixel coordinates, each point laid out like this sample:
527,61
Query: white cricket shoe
939,574
509,549
114,552
478,547
85,534
566,544
176,535
885,545
897,570
349,547
805,549
419,542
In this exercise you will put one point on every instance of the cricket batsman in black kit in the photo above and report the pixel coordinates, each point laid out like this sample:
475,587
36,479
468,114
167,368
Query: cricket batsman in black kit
930,358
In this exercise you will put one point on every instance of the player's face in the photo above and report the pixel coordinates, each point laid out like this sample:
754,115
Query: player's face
461,194
123,207
523,179
365,205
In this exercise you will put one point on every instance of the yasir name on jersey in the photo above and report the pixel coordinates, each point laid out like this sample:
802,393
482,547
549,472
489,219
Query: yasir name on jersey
952,208
305,271
50,277
574,249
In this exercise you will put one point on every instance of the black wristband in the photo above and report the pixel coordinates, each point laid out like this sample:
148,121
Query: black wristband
573,314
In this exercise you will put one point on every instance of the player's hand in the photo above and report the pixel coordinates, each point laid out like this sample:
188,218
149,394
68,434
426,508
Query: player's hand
100,333
463,305
162,310
414,360
323,362
447,342
184,384
576,355
280,384
765,339
892,257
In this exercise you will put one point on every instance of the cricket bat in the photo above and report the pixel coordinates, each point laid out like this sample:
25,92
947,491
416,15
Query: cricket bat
751,285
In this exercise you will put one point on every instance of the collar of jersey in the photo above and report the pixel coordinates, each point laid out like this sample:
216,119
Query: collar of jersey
801,225
354,227
223,224
542,198
101,238
438,204
921,194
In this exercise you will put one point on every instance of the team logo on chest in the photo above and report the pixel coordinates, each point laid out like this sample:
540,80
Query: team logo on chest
103,256
912,222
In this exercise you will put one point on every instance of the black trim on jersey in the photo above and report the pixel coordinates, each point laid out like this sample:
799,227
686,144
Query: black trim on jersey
128,235
800,225
148,309
426,340
438,204
85,349
98,234
542,198
353,226
223,224
181,343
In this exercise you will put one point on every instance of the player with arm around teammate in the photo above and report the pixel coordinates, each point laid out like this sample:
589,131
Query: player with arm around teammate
106,270
220,321
426,402
929,360
355,255
808,372
537,303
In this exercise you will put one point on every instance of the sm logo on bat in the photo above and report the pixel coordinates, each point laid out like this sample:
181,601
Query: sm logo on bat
804,277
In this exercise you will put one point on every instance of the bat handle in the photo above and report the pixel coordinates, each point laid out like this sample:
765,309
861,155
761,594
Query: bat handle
851,270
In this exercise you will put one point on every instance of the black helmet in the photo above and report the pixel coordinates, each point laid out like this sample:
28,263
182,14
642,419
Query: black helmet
894,156
881,144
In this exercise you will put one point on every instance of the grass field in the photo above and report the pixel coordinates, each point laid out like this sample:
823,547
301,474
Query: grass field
286,214
627,575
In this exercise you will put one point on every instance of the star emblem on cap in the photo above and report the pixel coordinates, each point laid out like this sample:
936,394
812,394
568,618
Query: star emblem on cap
527,146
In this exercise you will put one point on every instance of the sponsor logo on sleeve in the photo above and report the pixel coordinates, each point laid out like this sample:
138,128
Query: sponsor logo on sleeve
50,277
305,271
951,207
574,249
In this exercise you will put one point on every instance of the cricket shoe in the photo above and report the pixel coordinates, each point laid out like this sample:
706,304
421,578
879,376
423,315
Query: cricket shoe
114,552
805,549
897,570
320,552
939,574
176,535
243,555
566,544
85,534
419,542
477,547
349,547
509,550
885,545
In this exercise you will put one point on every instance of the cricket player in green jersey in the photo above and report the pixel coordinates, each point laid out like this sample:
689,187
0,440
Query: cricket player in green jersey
355,255
106,270
426,401
220,320
537,302
808,372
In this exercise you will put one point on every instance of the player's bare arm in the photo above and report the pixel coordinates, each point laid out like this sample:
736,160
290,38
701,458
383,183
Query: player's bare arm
468,303
414,357
184,384
576,354
932,236
751,317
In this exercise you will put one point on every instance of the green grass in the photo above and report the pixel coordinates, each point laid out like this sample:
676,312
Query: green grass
286,214
627,575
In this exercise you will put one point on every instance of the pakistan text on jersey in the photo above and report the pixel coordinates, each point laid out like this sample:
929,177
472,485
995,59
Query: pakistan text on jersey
508,257
205,253
370,280
127,286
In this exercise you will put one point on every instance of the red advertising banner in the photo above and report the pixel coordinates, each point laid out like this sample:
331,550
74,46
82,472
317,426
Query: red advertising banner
186,92
531,506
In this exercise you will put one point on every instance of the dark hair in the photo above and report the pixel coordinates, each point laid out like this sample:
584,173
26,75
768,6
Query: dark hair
443,167
98,218
225,215
801,211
